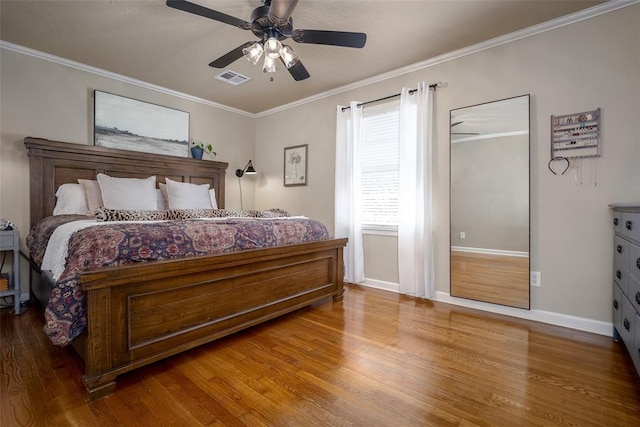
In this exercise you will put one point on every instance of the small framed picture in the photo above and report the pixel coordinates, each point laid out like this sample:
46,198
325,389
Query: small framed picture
295,165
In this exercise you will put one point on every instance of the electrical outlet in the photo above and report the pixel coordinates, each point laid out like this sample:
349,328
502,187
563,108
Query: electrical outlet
535,278
462,235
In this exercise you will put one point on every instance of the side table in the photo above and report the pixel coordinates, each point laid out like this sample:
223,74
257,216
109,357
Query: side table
10,241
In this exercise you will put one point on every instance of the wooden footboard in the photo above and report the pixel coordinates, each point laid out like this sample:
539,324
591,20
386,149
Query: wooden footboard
140,314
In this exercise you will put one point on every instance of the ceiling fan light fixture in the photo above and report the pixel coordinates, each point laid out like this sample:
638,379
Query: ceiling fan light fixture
271,23
272,47
289,57
269,65
253,53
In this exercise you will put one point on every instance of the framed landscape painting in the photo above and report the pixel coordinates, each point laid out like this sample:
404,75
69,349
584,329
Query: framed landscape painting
129,124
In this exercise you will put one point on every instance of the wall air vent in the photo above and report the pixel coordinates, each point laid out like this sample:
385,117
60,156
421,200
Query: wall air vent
232,77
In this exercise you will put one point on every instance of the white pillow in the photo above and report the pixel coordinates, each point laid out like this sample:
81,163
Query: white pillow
128,193
165,196
92,195
162,205
70,200
183,195
212,198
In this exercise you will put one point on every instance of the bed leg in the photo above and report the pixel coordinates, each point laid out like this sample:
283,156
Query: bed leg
99,387
338,297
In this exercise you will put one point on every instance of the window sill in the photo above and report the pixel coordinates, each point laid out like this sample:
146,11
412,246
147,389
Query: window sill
380,231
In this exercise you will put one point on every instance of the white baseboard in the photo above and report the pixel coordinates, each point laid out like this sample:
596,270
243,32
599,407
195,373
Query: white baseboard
380,284
557,319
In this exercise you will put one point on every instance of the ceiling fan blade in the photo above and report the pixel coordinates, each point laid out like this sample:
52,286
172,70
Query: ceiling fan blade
208,13
280,11
333,38
298,72
230,57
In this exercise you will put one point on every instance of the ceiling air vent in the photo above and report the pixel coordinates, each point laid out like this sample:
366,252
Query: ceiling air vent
232,77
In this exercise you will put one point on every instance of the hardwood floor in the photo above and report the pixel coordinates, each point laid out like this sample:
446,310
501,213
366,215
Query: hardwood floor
376,359
491,278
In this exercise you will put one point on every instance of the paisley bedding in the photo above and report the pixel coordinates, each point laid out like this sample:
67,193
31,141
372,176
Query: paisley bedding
111,244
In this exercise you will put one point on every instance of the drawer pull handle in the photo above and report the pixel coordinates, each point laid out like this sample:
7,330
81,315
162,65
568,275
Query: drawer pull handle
615,304
619,274
629,225
619,249
638,297
615,221
626,324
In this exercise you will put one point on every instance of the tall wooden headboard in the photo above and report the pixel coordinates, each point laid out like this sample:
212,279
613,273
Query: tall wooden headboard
54,163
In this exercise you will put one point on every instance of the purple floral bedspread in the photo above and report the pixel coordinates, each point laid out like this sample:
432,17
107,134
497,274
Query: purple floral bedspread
127,243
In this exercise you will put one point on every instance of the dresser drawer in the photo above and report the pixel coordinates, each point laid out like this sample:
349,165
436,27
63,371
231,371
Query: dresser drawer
6,240
633,293
628,329
617,222
621,277
621,252
630,225
617,307
634,260
635,353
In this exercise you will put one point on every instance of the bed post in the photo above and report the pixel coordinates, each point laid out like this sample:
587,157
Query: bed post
96,379
339,280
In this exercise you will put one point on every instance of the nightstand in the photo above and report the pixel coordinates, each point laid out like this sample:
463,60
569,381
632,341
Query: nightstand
10,241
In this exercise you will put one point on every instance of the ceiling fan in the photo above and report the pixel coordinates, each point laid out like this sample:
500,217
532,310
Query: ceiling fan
272,23
461,133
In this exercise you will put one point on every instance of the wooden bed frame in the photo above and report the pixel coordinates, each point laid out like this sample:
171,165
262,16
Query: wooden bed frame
139,314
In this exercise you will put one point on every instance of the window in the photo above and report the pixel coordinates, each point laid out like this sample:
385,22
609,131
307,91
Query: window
379,180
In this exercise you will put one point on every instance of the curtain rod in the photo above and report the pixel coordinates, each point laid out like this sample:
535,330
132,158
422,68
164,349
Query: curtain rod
431,86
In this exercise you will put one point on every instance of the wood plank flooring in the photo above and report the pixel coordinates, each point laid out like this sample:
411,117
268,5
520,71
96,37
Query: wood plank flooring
376,359
498,279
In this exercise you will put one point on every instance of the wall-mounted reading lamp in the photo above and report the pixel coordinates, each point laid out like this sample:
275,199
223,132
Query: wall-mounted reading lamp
249,170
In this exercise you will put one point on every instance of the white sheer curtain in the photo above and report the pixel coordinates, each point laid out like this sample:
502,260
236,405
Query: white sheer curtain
347,203
415,229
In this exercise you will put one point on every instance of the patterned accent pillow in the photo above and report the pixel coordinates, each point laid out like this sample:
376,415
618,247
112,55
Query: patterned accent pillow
104,214
194,213
224,213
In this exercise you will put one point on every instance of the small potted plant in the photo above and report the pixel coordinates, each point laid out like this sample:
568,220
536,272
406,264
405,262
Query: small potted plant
198,148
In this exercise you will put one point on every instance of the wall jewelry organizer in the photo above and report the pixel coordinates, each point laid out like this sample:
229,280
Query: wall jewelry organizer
576,135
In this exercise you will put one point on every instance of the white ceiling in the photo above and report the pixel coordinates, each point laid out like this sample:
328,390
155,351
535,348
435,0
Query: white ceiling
148,41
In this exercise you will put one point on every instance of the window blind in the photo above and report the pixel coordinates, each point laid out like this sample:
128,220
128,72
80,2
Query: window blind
379,180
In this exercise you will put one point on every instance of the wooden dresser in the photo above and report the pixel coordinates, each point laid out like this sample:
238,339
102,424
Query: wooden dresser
626,278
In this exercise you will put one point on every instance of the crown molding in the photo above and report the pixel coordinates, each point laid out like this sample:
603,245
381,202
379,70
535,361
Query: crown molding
609,6
115,76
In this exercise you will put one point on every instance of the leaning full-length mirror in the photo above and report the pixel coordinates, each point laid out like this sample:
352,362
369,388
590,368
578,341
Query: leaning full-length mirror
490,202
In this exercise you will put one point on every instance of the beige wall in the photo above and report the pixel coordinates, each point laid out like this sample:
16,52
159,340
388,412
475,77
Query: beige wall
589,64
43,99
